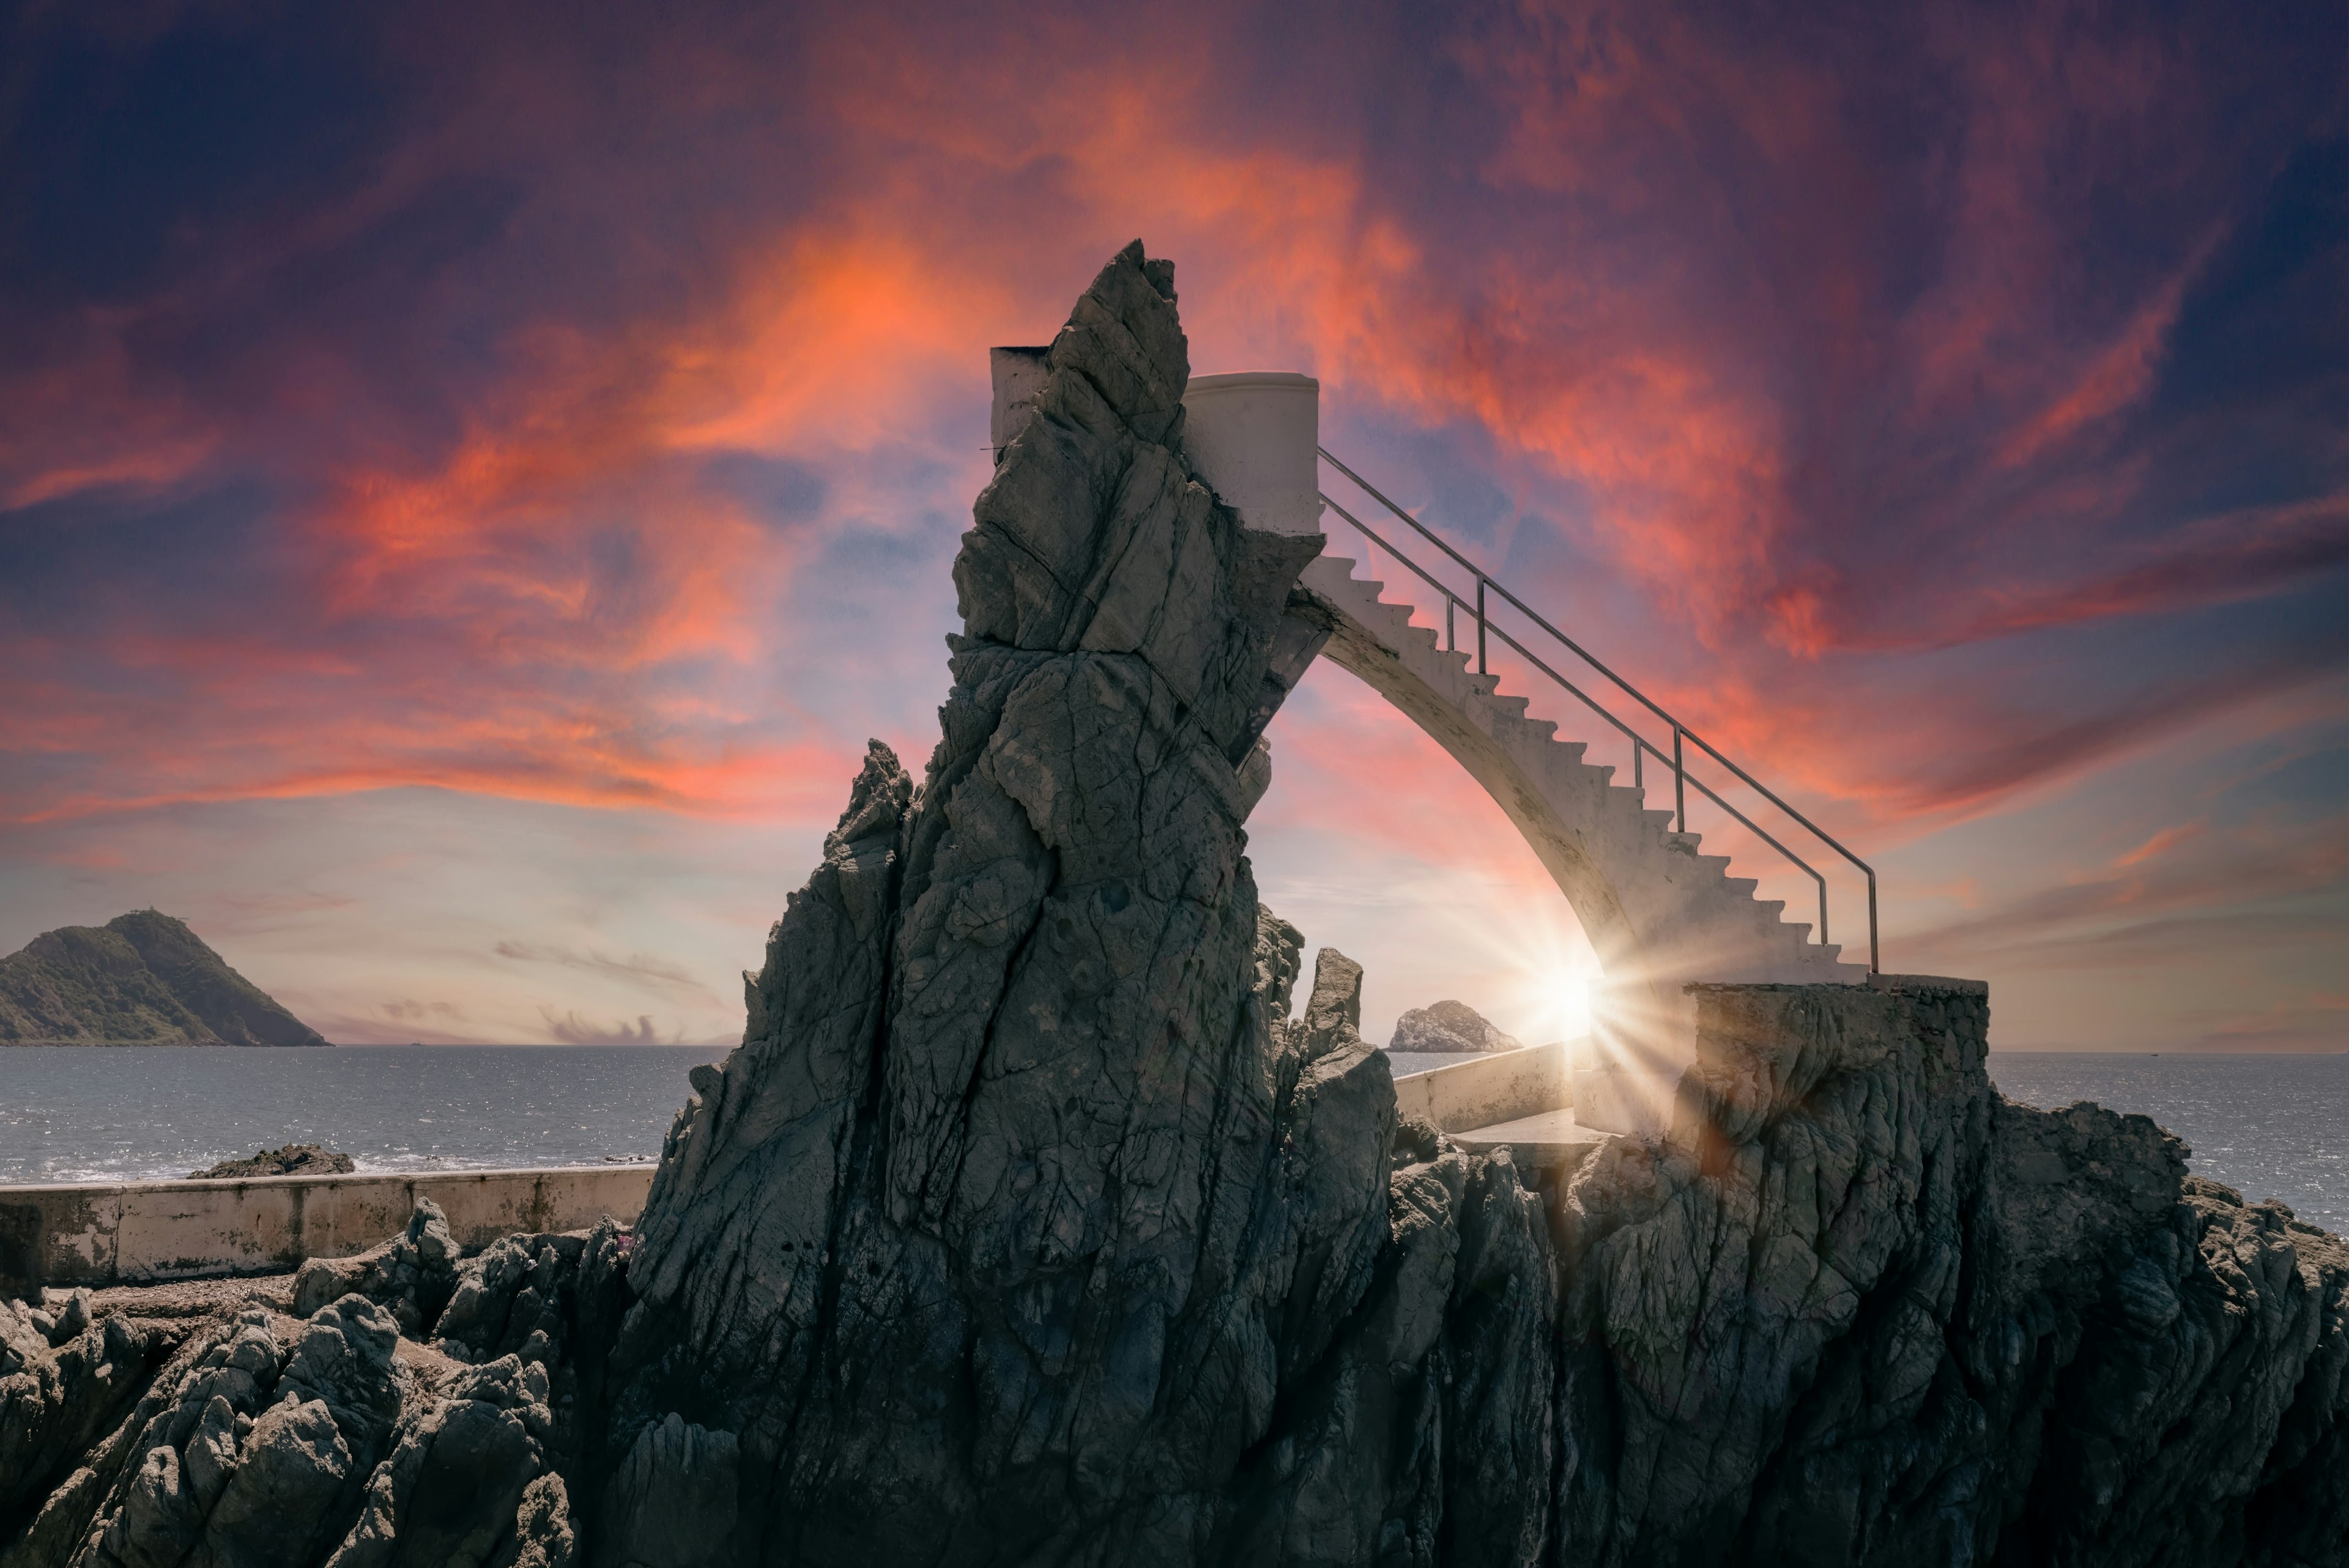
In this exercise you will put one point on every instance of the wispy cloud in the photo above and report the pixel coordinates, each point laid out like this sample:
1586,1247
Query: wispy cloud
638,969
571,1030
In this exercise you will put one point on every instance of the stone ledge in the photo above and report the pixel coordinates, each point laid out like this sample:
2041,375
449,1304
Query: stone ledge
1484,1090
134,1232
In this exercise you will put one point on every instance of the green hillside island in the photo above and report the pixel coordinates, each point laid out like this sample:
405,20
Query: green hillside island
141,979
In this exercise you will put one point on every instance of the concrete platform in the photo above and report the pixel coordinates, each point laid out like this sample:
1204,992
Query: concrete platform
1552,1139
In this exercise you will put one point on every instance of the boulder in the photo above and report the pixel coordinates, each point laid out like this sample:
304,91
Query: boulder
412,1276
292,1160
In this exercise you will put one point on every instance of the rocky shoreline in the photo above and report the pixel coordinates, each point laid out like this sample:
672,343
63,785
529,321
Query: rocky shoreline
1858,1309
1026,1227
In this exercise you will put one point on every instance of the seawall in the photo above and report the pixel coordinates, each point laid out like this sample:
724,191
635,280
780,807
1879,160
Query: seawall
142,1233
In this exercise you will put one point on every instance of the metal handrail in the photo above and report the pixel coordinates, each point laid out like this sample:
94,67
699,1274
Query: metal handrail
1641,747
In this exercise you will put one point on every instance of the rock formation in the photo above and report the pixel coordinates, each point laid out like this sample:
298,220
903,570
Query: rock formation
1448,1026
1026,1227
140,979
292,1160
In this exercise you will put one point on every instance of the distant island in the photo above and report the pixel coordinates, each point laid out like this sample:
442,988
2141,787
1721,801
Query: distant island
140,979
1448,1026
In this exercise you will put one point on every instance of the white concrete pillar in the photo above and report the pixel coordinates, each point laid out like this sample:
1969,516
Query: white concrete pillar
1253,435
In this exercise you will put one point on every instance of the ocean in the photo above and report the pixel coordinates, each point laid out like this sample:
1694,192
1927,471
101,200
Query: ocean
2271,1126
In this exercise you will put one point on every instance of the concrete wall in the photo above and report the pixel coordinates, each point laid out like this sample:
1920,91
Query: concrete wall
138,1233
1483,1089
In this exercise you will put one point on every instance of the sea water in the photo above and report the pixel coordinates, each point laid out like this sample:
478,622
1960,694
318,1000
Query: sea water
2268,1125
148,1112
2271,1126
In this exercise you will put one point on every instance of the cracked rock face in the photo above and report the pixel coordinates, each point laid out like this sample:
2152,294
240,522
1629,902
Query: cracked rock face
1858,1308
1018,1209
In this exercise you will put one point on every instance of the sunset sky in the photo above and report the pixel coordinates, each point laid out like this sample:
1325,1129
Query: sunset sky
472,478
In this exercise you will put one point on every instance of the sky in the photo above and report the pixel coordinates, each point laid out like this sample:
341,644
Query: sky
473,478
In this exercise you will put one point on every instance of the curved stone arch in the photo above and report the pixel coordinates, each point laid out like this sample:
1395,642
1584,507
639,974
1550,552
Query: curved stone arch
1658,913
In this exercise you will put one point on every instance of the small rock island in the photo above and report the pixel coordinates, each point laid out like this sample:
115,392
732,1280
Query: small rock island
1448,1027
293,1159
140,979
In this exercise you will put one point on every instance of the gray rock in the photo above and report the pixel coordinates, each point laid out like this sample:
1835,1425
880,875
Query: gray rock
1845,1314
674,1501
58,1399
290,1472
412,1275
158,1522
451,1491
544,1535
1448,1026
291,1159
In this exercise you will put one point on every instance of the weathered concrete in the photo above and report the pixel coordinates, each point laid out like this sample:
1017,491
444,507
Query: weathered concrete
137,1233
1253,435
1549,1140
1480,1091
1660,915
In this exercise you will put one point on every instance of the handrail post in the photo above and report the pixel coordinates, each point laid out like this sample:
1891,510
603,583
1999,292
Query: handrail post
1680,783
1453,603
1480,625
1872,968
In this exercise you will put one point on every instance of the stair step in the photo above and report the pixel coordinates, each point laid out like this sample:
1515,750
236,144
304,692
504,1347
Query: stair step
1776,945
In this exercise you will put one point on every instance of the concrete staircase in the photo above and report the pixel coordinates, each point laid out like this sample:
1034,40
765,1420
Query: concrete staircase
1660,911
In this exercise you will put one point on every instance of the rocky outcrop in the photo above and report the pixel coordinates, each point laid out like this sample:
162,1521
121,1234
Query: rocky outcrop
412,1275
1448,1026
140,979
1026,1226
293,1159
1015,1210
1858,1308
240,1434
